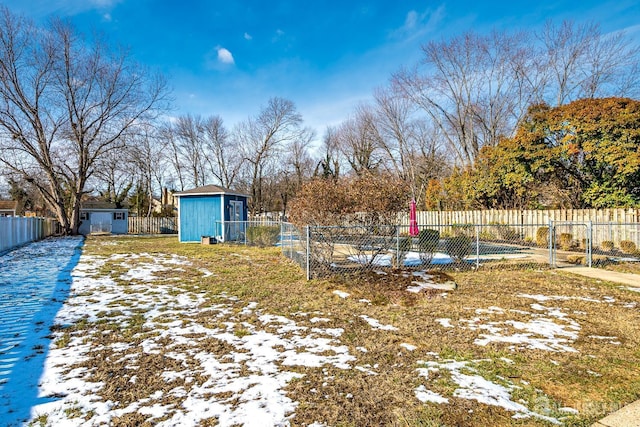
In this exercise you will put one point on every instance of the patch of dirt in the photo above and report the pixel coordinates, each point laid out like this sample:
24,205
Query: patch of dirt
390,286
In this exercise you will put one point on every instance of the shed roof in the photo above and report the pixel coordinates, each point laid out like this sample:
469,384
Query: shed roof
8,205
209,190
98,205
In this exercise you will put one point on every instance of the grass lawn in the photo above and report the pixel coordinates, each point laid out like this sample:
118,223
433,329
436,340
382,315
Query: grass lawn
162,331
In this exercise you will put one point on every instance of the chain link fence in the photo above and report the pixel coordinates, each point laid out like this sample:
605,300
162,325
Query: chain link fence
339,250
595,244
323,251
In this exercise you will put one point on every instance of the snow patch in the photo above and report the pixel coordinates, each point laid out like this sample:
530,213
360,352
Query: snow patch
375,324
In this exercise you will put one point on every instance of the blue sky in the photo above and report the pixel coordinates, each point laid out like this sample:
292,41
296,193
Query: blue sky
229,57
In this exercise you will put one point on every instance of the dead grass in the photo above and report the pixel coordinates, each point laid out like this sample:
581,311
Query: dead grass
600,376
624,267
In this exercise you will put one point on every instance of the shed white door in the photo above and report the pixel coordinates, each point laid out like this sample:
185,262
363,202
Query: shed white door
235,216
101,222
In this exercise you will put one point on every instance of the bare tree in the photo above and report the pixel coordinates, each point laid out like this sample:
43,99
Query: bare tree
262,138
149,166
470,90
411,146
189,146
223,159
64,103
476,88
113,175
394,122
359,141
297,168
298,159
329,164
581,62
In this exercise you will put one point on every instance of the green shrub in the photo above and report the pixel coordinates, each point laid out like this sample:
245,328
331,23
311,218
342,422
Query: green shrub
404,246
428,240
427,243
607,245
263,235
628,246
458,247
463,230
566,241
507,233
487,235
542,236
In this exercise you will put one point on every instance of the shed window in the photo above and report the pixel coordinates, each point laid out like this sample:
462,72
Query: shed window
118,216
84,216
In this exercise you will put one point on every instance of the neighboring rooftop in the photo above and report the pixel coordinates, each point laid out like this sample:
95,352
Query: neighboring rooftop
8,205
94,204
209,190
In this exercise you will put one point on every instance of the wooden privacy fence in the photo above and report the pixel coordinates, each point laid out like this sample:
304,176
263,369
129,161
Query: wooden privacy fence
16,231
153,225
613,225
516,217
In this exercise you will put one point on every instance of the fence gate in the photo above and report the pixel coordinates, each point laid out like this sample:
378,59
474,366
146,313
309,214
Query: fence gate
570,243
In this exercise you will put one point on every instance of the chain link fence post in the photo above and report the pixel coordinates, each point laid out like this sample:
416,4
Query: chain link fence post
589,243
550,237
478,246
398,246
308,232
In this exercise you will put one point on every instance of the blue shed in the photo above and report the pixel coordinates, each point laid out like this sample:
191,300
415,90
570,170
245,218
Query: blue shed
211,211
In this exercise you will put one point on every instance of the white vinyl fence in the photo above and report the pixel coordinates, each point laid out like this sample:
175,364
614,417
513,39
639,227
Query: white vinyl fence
16,231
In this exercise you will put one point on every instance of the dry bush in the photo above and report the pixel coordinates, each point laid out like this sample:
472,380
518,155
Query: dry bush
364,200
628,246
566,241
607,245
542,236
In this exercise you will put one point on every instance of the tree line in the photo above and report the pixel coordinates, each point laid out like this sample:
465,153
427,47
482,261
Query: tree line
481,121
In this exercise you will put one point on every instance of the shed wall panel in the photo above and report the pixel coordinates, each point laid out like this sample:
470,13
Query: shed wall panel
227,212
198,216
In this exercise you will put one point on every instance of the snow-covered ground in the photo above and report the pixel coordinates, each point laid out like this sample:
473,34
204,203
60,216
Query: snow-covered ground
243,386
34,283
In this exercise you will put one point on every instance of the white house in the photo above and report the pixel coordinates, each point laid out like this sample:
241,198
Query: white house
8,207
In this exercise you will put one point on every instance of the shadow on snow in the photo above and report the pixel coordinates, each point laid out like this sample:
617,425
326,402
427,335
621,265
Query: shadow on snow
35,281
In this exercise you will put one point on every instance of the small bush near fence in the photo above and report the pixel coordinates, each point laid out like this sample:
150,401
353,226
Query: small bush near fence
566,241
628,247
607,245
542,236
404,246
458,247
263,235
427,243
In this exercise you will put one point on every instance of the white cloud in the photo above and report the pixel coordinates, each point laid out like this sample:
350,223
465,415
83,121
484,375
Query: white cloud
278,36
224,56
103,3
417,24
43,8
411,20
247,36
